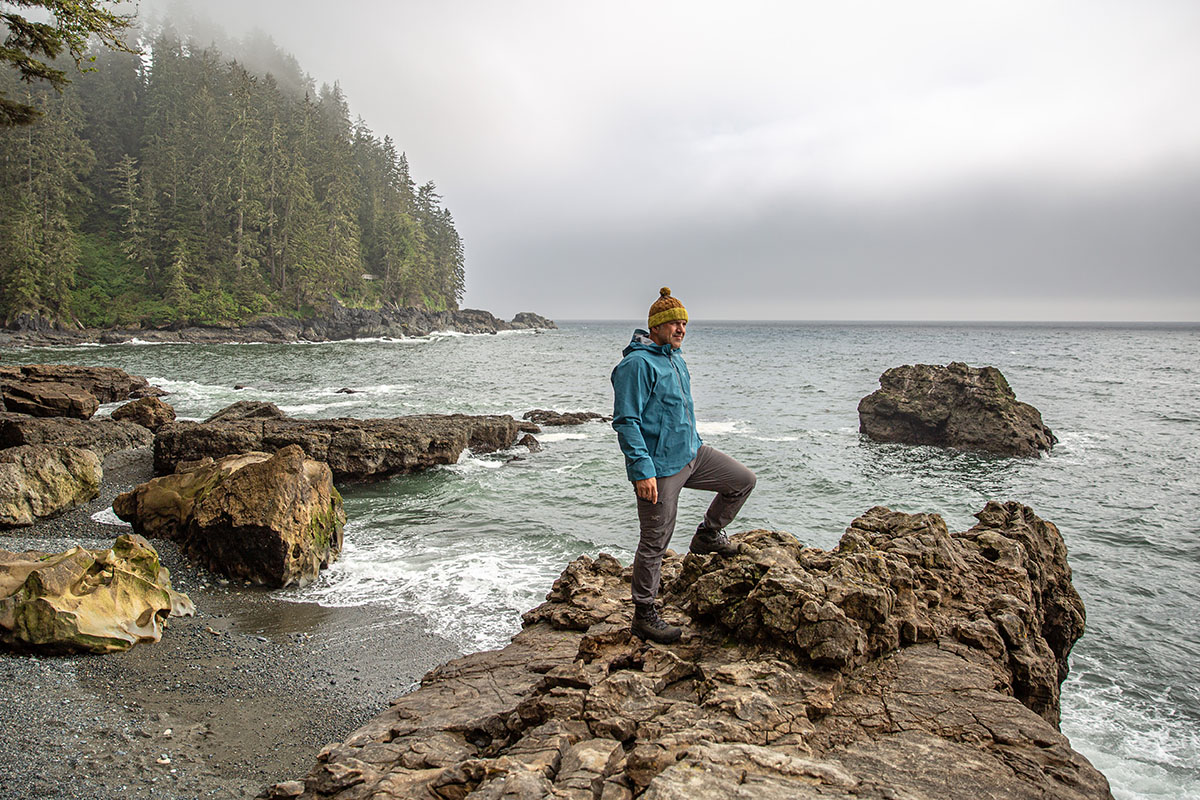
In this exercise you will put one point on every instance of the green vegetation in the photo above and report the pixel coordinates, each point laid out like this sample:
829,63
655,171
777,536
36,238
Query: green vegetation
180,187
31,47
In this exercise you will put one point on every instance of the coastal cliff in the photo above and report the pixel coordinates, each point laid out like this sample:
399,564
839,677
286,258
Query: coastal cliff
907,662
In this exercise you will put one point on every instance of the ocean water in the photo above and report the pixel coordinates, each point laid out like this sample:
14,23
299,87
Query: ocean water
472,545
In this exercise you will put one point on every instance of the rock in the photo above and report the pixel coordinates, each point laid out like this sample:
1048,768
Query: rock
102,436
953,406
106,384
366,449
531,443
247,409
868,671
97,601
149,412
41,480
540,416
273,520
48,399
528,319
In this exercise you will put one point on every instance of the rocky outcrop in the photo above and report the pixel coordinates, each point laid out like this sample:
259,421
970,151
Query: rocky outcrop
97,601
247,409
953,406
42,480
356,449
528,319
541,416
48,399
106,384
336,323
270,520
102,436
149,412
906,663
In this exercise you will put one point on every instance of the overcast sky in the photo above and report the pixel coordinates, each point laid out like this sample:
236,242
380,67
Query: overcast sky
1008,160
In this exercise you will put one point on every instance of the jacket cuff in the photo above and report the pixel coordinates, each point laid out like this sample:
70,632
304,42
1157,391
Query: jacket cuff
640,470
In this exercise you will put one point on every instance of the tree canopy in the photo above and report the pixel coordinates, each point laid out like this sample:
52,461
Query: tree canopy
183,187
32,47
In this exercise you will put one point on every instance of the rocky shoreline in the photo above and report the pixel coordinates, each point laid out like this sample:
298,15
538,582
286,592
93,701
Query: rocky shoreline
908,662
336,324
238,697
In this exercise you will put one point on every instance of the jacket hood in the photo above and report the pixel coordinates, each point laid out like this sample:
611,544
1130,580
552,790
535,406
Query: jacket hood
641,341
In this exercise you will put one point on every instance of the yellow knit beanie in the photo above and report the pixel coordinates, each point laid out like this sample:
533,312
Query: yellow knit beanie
665,309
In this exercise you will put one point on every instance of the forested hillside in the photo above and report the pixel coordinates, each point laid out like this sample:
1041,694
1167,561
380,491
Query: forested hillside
179,186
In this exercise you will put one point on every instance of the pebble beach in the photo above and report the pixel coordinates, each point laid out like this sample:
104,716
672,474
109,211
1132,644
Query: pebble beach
242,695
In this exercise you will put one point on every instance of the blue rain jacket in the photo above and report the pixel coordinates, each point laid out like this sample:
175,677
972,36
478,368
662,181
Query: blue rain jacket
653,413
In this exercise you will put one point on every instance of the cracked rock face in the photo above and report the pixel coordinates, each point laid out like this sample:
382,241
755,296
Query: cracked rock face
972,408
908,662
274,520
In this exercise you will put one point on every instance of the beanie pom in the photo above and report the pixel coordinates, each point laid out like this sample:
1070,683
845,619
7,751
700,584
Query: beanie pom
665,309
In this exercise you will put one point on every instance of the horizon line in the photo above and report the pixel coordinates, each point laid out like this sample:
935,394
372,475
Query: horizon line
784,321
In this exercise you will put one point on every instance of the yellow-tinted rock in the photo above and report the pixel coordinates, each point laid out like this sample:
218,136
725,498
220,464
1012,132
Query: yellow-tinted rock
98,601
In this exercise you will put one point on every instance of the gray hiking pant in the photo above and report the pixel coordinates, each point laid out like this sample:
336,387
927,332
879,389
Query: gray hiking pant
710,470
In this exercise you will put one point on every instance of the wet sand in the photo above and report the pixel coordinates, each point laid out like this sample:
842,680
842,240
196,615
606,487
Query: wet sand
243,695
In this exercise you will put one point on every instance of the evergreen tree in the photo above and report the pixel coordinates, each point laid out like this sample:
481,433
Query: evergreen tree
218,193
41,194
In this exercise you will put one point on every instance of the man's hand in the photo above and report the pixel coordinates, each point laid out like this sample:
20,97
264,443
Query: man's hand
647,489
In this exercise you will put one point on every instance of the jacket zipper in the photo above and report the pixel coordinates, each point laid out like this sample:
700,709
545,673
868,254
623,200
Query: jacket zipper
687,411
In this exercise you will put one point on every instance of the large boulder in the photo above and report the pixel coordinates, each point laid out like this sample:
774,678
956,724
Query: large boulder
106,384
97,601
274,520
102,436
48,399
42,480
149,412
972,408
906,663
355,449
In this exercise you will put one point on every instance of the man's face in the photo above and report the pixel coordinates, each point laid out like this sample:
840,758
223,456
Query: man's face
669,332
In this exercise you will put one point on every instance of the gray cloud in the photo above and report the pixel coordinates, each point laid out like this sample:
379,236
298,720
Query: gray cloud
851,160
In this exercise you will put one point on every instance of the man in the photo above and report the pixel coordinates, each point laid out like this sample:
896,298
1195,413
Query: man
656,428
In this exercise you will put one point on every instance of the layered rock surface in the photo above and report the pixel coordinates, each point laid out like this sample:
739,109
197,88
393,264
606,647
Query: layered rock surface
97,601
274,520
102,436
106,384
49,399
906,663
972,408
355,449
42,480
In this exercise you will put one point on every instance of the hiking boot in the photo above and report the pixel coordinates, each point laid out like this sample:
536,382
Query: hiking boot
649,625
706,541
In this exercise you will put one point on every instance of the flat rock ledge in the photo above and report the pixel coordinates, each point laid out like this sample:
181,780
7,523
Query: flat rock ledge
906,663
355,449
971,408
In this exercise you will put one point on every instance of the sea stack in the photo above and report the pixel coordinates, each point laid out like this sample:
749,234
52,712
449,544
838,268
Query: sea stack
971,408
